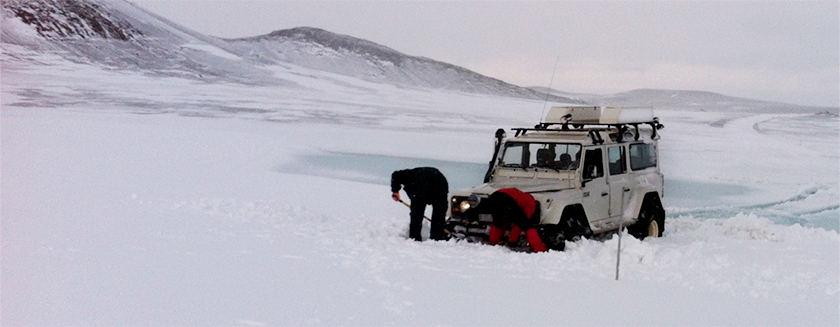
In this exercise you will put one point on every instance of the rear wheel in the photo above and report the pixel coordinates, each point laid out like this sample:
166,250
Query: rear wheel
654,229
651,222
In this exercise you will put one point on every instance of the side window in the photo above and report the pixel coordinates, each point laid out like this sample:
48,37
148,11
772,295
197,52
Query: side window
593,164
642,155
618,163
559,156
567,156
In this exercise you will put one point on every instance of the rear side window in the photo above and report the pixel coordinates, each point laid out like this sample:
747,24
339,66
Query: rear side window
618,165
642,155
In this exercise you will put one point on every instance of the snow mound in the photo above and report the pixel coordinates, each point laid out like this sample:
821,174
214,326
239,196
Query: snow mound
743,256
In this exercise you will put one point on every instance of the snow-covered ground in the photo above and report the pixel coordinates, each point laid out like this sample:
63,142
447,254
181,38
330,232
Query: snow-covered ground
137,200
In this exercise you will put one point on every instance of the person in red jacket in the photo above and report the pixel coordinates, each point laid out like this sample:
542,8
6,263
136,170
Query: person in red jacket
516,211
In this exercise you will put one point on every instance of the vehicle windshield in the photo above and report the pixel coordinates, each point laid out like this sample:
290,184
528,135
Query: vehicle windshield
558,156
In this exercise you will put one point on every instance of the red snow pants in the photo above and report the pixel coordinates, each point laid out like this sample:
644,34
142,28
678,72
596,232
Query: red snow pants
531,234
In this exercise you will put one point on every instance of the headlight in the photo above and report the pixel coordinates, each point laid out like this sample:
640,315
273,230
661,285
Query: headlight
464,205
461,204
456,205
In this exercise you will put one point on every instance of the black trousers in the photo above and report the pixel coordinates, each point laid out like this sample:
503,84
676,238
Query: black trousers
418,207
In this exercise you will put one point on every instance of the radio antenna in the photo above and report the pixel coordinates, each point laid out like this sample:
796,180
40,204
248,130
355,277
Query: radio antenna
547,92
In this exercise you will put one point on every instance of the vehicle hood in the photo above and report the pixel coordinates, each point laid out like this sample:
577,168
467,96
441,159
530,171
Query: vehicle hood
524,186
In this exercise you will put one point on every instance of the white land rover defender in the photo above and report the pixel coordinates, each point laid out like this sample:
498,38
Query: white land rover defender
591,170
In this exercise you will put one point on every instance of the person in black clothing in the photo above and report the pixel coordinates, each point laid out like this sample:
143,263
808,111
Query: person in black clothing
424,186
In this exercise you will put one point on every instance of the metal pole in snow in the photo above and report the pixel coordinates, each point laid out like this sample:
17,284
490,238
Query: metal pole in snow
618,251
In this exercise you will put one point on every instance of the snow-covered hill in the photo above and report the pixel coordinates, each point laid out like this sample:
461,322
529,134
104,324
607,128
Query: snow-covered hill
137,41
346,55
62,20
120,35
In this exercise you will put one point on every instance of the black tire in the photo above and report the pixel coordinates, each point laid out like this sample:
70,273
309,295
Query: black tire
573,223
651,222
552,236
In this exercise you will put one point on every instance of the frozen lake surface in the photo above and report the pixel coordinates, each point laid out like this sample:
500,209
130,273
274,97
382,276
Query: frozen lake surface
683,195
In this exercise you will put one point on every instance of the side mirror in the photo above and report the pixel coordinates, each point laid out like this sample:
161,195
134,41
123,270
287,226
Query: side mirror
589,173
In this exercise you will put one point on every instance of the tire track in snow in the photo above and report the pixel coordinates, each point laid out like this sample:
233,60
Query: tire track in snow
780,211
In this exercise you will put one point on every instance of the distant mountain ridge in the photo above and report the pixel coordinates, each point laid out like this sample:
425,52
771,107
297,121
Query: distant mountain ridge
122,35
688,100
323,50
336,42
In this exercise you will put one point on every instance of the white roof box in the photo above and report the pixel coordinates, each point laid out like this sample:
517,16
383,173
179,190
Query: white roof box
598,115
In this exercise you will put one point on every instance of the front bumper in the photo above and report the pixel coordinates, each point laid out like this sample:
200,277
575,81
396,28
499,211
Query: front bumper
473,231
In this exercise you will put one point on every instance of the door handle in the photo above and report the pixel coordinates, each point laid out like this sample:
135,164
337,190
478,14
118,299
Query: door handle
627,190
604,194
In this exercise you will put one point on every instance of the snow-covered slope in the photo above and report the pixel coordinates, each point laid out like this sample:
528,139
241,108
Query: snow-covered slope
346,55
58,20
121,35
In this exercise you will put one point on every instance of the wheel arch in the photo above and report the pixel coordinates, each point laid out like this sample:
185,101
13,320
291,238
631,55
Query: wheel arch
638,199
574,221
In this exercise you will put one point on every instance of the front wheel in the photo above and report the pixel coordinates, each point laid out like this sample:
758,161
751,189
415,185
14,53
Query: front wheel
552,236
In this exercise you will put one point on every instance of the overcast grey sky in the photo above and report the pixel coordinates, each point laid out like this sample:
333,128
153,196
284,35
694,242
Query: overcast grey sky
771,50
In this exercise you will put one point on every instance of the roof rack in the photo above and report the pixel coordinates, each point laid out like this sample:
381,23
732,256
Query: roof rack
594,119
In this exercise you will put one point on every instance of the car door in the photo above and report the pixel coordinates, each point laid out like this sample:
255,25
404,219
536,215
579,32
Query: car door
596,192
620,184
